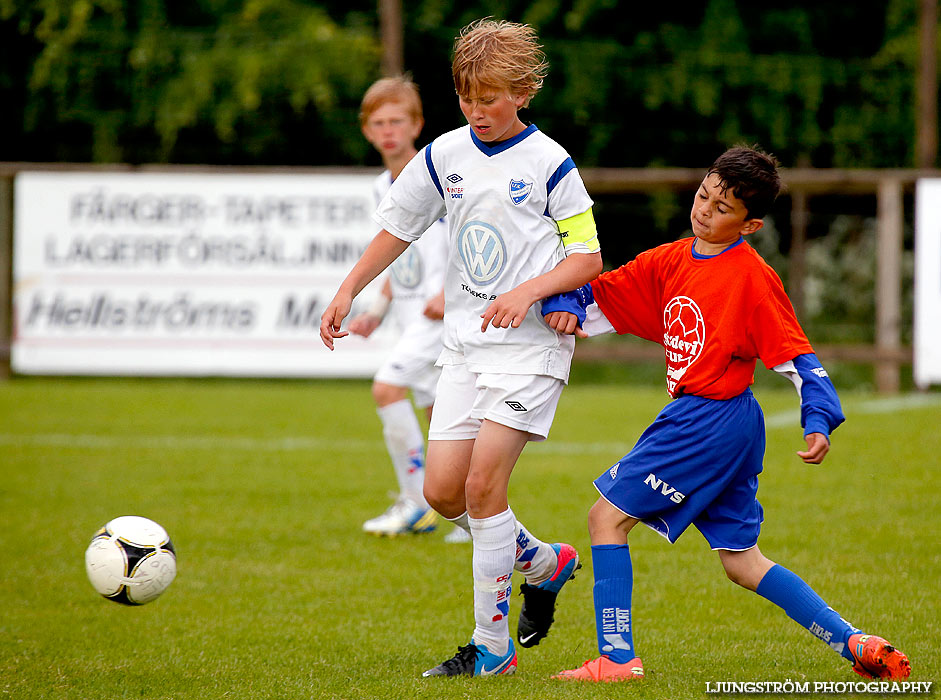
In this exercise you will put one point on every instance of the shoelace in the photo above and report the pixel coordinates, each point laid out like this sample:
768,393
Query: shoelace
465,656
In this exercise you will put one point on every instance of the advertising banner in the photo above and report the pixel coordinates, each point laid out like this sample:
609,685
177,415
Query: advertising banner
927,326
187,274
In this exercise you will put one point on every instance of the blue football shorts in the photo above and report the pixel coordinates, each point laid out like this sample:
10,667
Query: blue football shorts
697,463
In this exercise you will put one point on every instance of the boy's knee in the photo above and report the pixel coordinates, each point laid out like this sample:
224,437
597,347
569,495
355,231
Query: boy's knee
443,494
745,568
737,576
608,525
386,394
479,492
445,499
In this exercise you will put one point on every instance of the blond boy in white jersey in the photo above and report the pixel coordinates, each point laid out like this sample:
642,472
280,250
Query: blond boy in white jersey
520,228
412,297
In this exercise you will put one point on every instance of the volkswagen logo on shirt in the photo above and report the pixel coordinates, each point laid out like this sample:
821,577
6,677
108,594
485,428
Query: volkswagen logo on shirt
407,268
482,250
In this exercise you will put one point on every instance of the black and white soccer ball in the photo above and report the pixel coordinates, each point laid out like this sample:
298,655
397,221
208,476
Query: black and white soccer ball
131,560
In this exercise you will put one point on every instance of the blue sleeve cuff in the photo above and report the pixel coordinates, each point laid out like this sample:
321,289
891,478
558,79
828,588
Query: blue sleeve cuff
816,423
575,302
820,406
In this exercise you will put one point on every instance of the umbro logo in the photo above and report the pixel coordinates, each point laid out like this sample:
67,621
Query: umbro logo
516,406
454,178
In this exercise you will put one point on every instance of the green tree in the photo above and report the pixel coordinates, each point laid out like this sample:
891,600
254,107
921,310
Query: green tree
279,81
680,82
147,79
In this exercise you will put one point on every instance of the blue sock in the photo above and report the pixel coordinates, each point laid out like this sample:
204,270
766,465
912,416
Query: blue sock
614,580
787,590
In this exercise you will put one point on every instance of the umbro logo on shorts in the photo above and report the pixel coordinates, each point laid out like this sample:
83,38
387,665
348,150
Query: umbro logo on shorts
454,178
516,406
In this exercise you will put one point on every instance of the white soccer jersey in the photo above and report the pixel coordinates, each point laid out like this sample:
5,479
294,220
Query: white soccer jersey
502,201
417,275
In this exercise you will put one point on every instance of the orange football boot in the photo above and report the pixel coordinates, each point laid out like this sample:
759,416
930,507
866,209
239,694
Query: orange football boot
876,658
604,670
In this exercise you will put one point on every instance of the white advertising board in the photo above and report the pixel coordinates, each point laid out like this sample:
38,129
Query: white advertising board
927,325
187,274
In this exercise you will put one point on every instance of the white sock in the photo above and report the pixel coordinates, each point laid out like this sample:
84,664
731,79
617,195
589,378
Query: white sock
406,446
535,559
493,571
462,522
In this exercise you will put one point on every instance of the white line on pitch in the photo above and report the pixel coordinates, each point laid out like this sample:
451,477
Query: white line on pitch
219,442
888,404
784,419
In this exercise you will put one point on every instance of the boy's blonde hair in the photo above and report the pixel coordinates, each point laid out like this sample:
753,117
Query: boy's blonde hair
400,89
498,54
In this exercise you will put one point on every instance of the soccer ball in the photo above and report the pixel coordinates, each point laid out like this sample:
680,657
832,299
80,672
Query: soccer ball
131,560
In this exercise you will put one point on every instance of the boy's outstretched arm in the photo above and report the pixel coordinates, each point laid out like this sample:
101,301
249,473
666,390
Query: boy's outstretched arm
821,412
379,254
511,307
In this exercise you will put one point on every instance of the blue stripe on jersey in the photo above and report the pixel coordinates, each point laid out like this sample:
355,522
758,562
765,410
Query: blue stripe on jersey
432,171
492,149
567,165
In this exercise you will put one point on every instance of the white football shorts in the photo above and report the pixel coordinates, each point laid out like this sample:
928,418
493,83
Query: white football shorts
522,401
411,363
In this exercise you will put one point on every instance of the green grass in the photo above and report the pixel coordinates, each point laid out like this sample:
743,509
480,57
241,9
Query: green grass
263,486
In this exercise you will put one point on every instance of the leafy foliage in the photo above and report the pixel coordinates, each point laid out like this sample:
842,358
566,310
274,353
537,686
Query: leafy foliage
278,81
841,295
151,80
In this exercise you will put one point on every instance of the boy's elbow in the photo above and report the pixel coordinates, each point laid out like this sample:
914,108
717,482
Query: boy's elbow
594,266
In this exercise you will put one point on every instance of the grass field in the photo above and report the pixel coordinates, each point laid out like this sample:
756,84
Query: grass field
263,486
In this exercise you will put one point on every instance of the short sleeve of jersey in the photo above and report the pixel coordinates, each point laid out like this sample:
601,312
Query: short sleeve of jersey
566,192
629,298
774,329
414,201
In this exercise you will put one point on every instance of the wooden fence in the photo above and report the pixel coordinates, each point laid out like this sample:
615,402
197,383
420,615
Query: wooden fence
888,187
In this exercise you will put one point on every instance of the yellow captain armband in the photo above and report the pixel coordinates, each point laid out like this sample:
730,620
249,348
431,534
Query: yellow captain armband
580,229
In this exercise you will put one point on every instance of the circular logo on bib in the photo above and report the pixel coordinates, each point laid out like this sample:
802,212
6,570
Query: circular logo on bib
684,334
482,250
407,268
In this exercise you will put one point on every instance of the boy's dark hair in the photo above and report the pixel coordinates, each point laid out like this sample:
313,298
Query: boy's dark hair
751,175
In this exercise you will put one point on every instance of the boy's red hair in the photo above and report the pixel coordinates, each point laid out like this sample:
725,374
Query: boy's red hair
398,89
